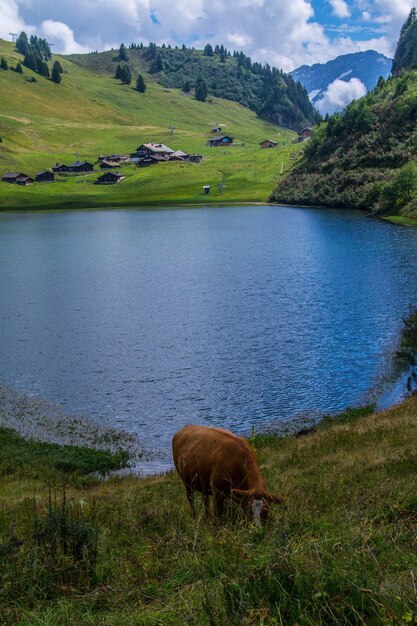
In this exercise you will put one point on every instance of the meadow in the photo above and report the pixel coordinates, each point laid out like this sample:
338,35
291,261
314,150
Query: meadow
76,550
90,113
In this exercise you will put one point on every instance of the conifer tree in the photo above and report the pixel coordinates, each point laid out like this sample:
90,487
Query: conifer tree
125,75
123,56
140,84
201,89
3,64
19,68
187,87
118,73
56,74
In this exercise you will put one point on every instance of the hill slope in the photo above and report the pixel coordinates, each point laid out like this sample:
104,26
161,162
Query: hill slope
364,66
271,93
357,159
90,113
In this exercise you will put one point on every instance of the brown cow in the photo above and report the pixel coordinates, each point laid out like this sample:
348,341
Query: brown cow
216,462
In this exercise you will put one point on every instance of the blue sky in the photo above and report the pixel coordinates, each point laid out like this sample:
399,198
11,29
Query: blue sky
284,33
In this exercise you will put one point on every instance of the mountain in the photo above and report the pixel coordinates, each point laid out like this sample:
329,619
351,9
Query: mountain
364,157
323,81
272,94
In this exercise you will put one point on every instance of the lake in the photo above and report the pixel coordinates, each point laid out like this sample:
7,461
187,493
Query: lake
152,319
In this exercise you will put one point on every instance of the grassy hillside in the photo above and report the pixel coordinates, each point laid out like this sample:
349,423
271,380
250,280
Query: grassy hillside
364,157
42,123
126,552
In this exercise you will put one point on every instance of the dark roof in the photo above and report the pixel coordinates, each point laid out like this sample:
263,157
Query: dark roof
13,175
216,139
44,172
270,141
79,163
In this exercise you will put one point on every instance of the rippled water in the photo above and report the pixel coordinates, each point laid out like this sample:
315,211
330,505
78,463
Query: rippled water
227,316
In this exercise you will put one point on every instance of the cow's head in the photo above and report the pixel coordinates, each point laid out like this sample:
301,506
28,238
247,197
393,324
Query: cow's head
259,502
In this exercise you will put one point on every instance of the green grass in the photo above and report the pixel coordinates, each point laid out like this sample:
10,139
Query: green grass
20,455
126,551
42,123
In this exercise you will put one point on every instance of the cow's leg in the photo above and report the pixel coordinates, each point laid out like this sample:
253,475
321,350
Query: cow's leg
190,497
218,502
206,504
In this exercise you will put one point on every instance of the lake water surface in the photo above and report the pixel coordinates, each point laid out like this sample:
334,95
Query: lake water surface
151,319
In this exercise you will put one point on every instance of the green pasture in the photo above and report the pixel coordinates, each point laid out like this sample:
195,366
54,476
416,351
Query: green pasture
90,113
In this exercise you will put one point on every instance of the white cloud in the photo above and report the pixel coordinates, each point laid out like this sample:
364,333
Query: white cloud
339,93
61,36
284,34
340,8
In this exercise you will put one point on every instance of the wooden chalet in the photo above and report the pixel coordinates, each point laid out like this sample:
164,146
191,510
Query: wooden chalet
45,177
109,178
225,140
305,133
179,155
60,168
153,149
24,180
151,160
118,158
194,158
81,167
108,165
268,143
12,177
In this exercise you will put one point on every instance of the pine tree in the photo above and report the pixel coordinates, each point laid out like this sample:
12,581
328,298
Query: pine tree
22,44
118,73
3,64
44,69
159,65
123,56
59,66
140,84
56,74
125,75
19,68
186,87
200,89
208,51
30,61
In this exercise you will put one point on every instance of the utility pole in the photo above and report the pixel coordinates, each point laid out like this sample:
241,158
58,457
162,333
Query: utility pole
13,36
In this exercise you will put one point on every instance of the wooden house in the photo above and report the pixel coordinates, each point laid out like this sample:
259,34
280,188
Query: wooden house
153,149
24,180
179,155
81,167
150,160
12,177
108,165
45,177
224,140
60,168
109,178
118,158
268,143
305,133
194,158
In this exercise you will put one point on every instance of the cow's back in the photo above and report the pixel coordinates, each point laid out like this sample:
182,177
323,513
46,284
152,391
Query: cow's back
208,457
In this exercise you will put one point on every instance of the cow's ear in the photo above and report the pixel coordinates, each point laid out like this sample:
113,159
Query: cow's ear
276,499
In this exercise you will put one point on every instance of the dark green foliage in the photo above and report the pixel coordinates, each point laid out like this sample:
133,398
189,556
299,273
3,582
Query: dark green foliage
59,66
123,56
125,74
22,44
268,91
118,72
405,57
208,51
407,352
360,158
18,454
200,89
30,61
44,69
19,68
186,87
3,64
56,74
140,84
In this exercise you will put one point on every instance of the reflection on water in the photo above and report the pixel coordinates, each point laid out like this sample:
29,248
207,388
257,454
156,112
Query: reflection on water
149,320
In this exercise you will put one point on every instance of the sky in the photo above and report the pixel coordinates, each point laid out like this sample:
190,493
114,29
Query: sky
283,33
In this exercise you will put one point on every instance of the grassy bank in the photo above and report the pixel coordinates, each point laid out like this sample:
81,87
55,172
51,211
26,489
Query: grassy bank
90,113
125,551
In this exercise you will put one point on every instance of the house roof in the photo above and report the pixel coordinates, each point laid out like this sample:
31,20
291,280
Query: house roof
216,139
156,147
109,163
13,175
23,177
269,141
180,153
79,163
43,172
113,174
